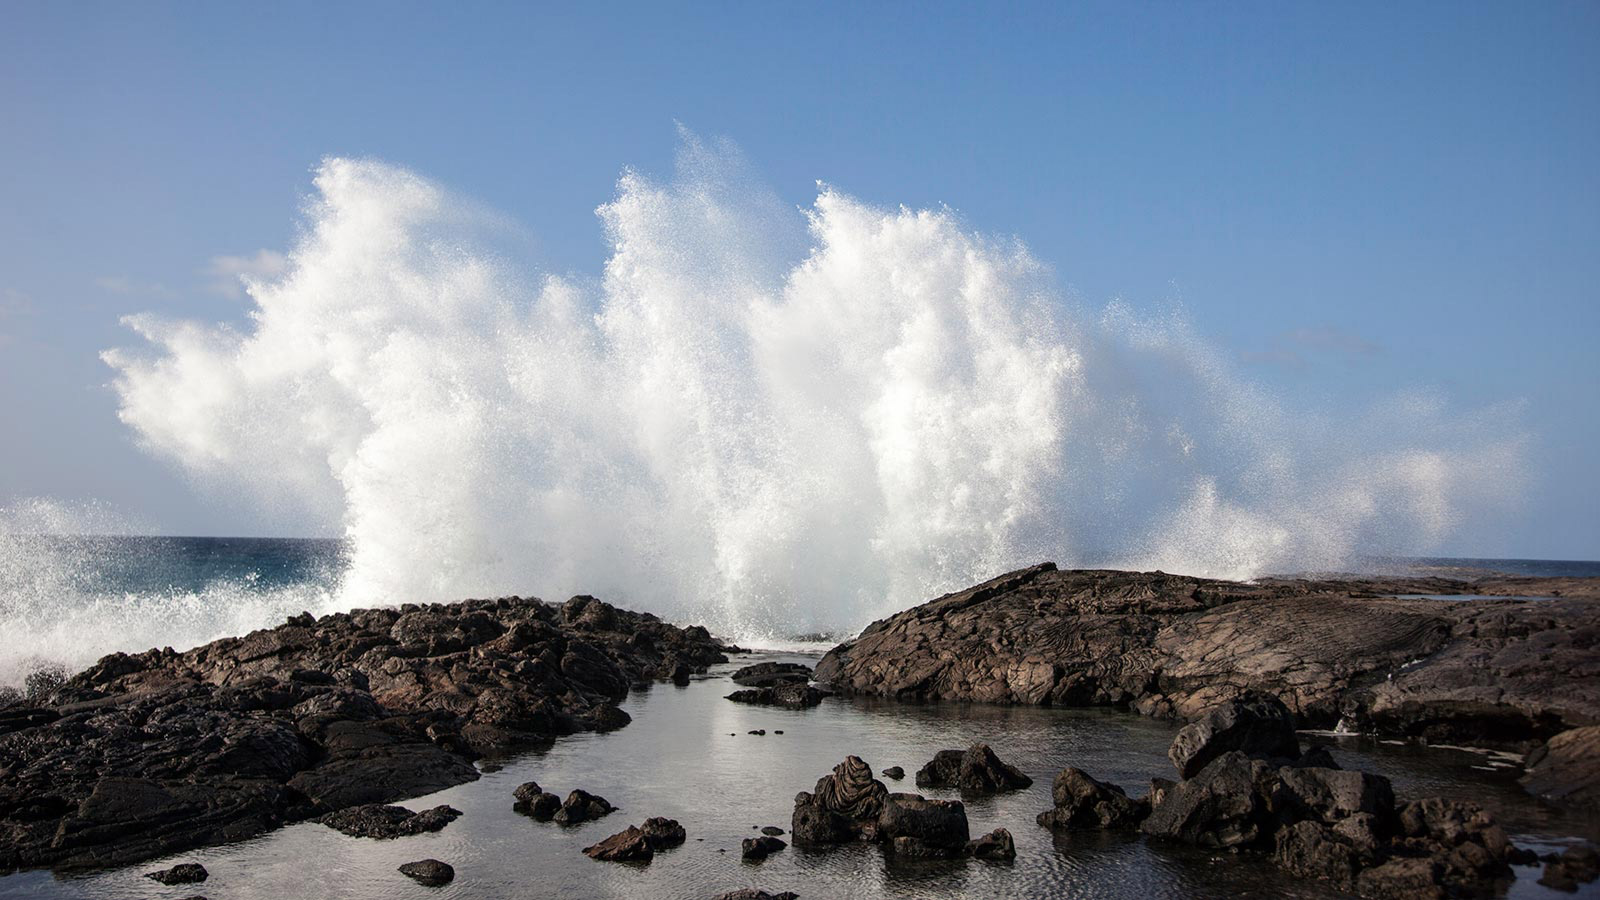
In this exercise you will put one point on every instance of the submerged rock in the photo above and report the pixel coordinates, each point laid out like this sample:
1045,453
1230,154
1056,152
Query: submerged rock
182,873
430,872
389,822
975,770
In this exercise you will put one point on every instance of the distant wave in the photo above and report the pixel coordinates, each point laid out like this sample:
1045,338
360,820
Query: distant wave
771,420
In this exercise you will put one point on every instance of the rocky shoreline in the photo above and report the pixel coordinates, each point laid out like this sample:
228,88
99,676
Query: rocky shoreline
149,754
145,755
1516,674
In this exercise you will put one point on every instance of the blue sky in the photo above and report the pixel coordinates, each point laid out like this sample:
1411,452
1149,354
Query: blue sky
1350,199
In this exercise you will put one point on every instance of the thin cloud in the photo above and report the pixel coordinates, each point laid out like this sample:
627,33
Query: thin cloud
229,275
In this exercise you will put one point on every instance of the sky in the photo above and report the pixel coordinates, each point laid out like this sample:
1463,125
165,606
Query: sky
1350,199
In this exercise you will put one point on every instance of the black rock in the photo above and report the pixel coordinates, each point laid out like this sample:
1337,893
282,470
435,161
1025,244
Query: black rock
759,848
430,872
582,806
388,822
997,845
182,873
1257,725
975,771
894,772
772,831
663,834
915,826
630,845
1081,802
772,674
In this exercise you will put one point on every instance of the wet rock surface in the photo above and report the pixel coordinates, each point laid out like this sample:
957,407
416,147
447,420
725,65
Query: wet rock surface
183,873
976,770
582,806
1566,769
430,872
389,822
1081,802
758,848
772,674
791,695
996,846
628,845
1503,673
147,754
753,894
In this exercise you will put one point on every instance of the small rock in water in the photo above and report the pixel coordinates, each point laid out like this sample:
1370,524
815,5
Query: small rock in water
894,772
771,674
430,872
975,771
778,731
631,845
772,830
582,806
996,845
759,848
536,802
663,833
759,731
387,822
183,873
753,894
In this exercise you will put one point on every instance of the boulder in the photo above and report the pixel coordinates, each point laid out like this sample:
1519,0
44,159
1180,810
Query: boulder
894,772
790,695
975,770
1566,769
582,806
772,674
915,826
996,846
630,845
1082,803
843,807
531,800
663,834
759,848
1257,725
1228,804
430,872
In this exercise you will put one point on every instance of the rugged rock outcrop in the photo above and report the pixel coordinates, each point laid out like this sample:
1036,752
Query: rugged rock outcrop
1257,725
850,805
1083,803
1491,672
639,843
582,806
975,770
1566,769
182,873
914,826
149,754
997,846
534,801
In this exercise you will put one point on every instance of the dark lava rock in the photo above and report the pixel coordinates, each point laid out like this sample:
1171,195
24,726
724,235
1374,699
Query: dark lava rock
894,772
915,826
791,695
1082,803
1486,673
663,834
975,771
997,846
534,801
1575,866
753,894
772,674
843,807
388,822
759,848
1256,725
183,873
430,872
1227,804
772,831
1566,769
582,806
144,755
631,845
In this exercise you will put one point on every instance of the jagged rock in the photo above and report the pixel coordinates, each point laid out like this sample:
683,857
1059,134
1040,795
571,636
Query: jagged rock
388,822
843,807
791,695
975,771
430,872
1566,769
1492,672
1256,725
913,825
772,674
759,848
534,801
182,873
894,772
1314,850
582,806
149,754
1575,866
997,845
1081,802
1332,794
1227,804
663,834
629,845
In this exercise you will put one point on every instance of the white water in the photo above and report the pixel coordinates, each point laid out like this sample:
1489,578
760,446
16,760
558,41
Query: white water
769,420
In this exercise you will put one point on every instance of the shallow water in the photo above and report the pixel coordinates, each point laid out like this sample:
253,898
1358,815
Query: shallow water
688,756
